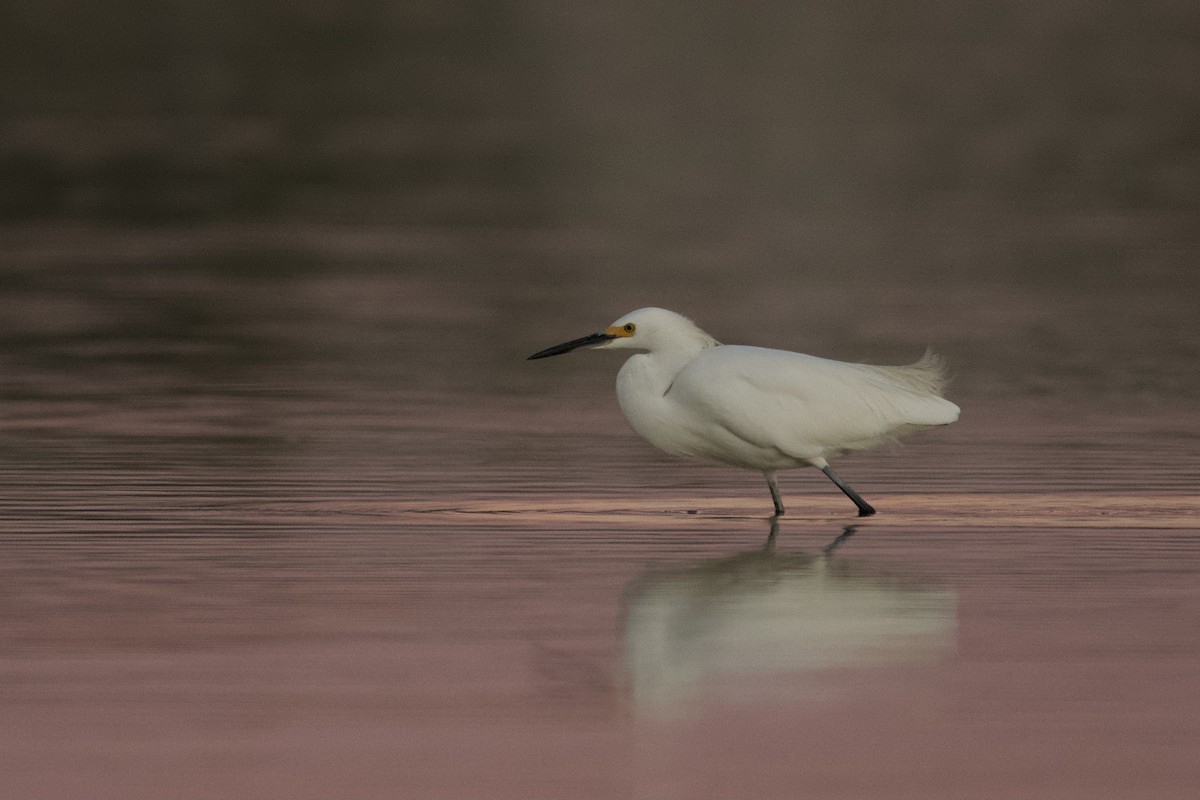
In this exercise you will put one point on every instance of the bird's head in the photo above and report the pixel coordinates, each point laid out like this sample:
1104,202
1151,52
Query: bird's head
644,329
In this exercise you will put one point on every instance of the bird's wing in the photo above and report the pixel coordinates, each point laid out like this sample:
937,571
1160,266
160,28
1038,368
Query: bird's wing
802,405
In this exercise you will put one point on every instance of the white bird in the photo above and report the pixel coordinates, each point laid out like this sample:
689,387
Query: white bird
758,408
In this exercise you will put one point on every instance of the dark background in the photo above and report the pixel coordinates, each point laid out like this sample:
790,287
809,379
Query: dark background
624,114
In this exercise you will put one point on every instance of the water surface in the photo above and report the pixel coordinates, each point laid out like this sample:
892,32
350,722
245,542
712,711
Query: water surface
316,529
285,512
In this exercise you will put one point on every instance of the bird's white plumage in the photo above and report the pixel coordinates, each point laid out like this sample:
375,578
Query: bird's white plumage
759,408
765,409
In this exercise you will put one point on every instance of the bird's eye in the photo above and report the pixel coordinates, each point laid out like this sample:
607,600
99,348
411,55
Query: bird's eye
629,326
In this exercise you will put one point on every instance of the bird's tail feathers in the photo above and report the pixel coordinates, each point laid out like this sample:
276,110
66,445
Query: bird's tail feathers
927,376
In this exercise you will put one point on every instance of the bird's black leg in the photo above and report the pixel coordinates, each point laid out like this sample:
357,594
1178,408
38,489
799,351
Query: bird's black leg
864,508
774,486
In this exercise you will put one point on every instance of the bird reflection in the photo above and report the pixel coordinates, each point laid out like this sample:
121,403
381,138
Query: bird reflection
846,533
725,626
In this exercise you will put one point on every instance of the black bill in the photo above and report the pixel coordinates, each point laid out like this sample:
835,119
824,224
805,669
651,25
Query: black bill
591,340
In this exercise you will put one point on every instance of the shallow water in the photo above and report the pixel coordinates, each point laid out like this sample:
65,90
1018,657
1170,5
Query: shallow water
285,512
316,528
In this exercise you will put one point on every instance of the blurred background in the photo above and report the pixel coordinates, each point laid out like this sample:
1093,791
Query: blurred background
775,171
715,119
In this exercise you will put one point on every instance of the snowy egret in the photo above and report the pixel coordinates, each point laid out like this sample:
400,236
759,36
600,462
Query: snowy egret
757,408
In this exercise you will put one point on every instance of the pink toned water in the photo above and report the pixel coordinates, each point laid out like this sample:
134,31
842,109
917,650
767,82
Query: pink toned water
324,533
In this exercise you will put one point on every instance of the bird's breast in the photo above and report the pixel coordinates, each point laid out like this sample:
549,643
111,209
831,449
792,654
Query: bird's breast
643,387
